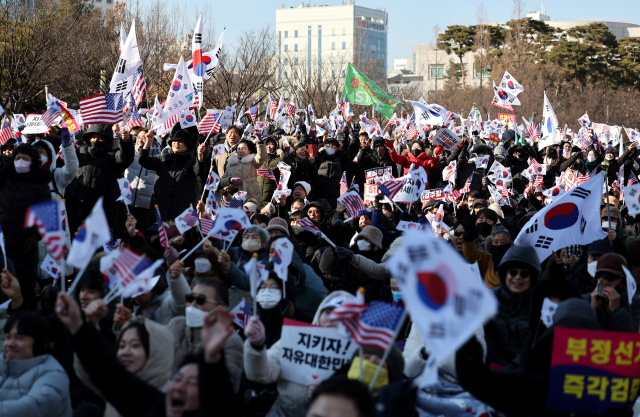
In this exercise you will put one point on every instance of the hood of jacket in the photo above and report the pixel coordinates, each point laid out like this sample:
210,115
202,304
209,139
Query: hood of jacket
157,369
518,255
548,288
54,154
234,160
339,293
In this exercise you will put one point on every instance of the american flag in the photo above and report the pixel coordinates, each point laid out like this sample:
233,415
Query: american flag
122,267
531,128
210,123
347,113
129,265
273,108
57,100
411,130
585,177
370,325
162,232
168,124
232,203
135,119
538,182
536,134
308,225
5,132
206,225
344,187
246,315
535,165
139,86
48,218
632,180
291,109
102,109
503,190
467,185
253,112
390,188
502,106
53,112
267,173
191,219
353,203
451,194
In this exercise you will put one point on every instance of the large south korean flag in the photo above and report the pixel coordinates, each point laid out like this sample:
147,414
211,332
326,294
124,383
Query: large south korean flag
572,219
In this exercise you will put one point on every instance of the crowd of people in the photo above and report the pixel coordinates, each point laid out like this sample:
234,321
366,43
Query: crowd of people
175,349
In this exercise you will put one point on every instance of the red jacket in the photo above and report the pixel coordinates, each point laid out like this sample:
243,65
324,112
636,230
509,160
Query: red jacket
422,160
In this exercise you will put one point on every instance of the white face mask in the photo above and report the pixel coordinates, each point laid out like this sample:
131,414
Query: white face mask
43,159
329,150
22,166
592,268
605,225
636,166
591,158
251,245
364,245
202,265
195,316
472,160
551,162
609,158
268,298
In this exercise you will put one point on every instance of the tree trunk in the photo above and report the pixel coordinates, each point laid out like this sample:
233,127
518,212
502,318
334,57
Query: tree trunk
462,72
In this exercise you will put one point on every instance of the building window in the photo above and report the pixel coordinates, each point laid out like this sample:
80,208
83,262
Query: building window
344,45
286,47
333,32
295,34
414,63
286,61
286,33
295,61
485,73
436,71
333,46
458,69
295,47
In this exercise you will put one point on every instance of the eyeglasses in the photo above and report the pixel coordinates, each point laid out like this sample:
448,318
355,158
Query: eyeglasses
523,273
458,233
199,299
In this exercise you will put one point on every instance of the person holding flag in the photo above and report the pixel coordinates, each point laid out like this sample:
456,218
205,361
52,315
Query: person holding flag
24,183
275,155
241,168
177,172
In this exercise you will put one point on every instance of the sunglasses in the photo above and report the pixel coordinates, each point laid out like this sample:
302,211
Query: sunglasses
524,274
199,299
458,233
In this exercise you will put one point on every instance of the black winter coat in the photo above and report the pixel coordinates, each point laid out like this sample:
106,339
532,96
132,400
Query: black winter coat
304,171
97,177
330,168
520,182
175,187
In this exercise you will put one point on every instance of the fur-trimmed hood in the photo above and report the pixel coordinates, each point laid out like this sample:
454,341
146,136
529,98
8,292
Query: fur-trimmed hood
234,160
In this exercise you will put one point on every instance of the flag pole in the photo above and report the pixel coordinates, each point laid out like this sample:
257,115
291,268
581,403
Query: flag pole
77,278
386,352
254,280
204,190
193,250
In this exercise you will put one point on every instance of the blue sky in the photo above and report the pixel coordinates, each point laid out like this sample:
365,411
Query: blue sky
411,22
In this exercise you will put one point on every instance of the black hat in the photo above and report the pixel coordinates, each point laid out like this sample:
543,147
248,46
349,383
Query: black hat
552,153
278,131
181,136
100,129
600,247
508,135
270,139
332,140
484,149
378,141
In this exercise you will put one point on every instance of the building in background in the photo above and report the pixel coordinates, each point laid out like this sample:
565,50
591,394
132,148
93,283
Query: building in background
316,42
103,5
400,64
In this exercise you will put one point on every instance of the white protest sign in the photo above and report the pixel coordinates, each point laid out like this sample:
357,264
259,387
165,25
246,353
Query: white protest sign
446,138
406,192
435,194
370,193
378,175
632,198
34,124
311,353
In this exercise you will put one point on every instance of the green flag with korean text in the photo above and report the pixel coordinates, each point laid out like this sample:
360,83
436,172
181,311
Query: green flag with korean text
362,91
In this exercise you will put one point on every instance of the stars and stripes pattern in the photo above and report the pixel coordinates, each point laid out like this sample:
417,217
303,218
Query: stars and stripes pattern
538,182
139,86
273,108
168,124
191,219
536,134
502,106
6,132
123,264
232,203
370,325
308,225
267,173
585,177
344,187
411,130
353,203
390,188
206,225
47,217
450,194
632,179
135,119
253,112
210,123
467,185
162,232
51,114
102,109
291,109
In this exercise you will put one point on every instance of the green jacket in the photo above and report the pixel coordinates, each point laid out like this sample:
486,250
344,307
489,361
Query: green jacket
269,186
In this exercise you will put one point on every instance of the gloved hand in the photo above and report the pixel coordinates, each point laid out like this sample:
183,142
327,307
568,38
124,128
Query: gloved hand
235,180
344,254
255,332
66,138
389,144
286,308
303,128
377,202
345,129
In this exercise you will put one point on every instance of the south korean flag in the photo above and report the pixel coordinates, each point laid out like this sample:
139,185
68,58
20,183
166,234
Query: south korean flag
572,219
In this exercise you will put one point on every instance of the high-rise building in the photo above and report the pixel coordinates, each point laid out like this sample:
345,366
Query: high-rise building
318,41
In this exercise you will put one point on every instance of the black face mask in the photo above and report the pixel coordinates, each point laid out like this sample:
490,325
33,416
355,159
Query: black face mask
484,229
497,252
416,152
7,158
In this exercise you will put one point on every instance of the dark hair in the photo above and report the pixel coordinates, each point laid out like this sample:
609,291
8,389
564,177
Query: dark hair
25,149
488,214
259,218
30,323
473,193
92,280
238,129
137,130
222,293
250,145
299,200
297,215
341,386
188,359
41,145
143,334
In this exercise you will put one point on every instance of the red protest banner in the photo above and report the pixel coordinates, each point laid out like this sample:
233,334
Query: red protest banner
593,371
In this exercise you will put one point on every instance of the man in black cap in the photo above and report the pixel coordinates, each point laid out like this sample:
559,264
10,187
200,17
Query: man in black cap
377,157
583,275
101,163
